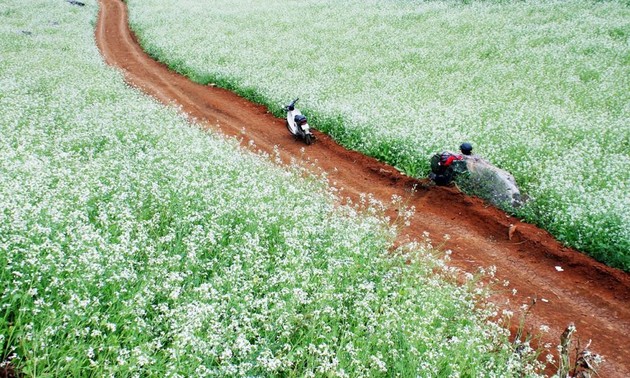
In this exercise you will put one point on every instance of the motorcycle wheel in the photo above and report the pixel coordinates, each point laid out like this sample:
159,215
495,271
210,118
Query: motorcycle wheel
288,127
308,138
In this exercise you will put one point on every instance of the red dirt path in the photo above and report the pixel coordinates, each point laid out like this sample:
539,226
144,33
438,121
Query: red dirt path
592,295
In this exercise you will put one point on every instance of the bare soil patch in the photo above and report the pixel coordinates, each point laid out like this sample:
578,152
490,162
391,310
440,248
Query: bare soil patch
593,296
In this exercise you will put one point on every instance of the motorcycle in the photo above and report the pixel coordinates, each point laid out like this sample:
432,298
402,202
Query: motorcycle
298,124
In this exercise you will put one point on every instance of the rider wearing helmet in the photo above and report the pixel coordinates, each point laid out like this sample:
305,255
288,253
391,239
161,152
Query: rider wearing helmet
466,148
481,177
444,167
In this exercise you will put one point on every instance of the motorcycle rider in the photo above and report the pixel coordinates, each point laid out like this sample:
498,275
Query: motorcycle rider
492,183
445,166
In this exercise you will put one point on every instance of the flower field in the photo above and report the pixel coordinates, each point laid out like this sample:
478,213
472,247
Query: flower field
133,244
541,88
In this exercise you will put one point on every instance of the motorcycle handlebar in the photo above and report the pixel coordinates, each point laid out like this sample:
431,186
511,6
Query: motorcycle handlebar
291,106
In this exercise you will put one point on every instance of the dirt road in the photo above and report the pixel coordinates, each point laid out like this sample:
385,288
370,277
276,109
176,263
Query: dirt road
595,297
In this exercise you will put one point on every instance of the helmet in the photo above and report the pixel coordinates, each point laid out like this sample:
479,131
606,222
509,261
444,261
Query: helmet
466,148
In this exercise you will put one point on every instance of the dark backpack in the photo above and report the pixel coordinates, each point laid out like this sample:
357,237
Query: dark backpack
438,160
435,164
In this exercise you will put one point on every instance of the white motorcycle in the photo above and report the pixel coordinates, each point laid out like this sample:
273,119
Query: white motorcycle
298,124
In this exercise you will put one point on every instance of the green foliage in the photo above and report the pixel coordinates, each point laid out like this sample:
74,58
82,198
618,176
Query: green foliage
134,244
522,81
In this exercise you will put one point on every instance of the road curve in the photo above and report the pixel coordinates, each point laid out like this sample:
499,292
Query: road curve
592,295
